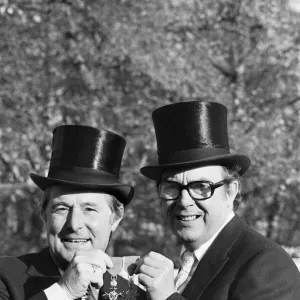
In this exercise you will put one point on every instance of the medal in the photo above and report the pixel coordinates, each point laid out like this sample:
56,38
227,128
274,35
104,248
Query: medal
132,292
122,285
113,295
113,291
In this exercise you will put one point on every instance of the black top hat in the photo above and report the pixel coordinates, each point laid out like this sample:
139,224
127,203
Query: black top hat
192,133
88,158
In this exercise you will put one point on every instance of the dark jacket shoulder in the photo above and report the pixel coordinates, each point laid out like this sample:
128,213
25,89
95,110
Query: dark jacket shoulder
26,276
251,243
243,264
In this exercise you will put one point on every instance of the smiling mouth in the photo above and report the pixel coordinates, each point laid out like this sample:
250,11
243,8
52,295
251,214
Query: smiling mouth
76,241
187,218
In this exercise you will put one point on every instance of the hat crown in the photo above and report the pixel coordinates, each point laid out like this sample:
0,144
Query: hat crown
87,147
189,126
192,134
87,158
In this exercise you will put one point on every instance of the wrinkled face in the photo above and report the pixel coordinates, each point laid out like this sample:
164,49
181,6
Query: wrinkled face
77,221
193,221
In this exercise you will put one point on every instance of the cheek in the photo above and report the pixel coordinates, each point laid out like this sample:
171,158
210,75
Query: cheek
101,234
100,225
164,209
217,209
54,224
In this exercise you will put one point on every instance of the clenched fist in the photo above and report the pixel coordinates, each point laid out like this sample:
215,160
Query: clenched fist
86,267
156,273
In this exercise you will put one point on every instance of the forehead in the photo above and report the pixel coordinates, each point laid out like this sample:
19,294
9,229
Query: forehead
68,194
209,173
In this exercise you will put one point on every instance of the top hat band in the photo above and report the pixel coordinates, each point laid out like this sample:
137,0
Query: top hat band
82,175
190,155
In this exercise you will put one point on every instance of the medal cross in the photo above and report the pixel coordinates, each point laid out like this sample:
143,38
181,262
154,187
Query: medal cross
113,295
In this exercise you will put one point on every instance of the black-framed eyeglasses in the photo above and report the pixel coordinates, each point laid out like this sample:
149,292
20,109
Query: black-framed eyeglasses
198,190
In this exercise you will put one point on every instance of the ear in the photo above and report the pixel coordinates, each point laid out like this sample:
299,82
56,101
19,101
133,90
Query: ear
115,224
233,190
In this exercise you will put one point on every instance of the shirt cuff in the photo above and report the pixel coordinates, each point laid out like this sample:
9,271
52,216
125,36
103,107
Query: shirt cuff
55,292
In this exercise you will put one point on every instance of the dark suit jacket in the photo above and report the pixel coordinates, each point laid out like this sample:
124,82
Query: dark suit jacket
25,277
241,264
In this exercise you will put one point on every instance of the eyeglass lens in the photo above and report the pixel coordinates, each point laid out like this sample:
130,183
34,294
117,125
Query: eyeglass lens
171,190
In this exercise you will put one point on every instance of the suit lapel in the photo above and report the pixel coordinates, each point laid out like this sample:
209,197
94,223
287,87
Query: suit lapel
43,266
42,273
214,259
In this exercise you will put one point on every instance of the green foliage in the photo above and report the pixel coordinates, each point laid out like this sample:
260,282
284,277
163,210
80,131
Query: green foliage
111,63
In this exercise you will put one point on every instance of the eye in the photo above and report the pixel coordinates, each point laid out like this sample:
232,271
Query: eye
60,209
169,189
89,209
201,189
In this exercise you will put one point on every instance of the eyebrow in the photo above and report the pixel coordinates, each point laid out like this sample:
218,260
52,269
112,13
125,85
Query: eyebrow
173,178
93,204
59,202
62,202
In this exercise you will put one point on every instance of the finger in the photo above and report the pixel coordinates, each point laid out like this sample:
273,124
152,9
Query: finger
149,271
108,261
84,264
101,266
96,278
95,257
103,257
152,258
138,264
145,280
131,269
157,256
154,263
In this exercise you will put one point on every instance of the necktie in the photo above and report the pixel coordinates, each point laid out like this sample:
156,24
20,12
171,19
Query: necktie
188,259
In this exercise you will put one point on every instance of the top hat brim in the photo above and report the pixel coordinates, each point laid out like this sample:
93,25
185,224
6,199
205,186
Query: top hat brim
124,193
229,160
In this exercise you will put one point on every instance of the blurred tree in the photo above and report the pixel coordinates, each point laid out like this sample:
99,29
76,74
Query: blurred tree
110,63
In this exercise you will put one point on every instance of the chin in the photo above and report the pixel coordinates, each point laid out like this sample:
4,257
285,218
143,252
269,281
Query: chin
62,260
66,254
189,237
66,259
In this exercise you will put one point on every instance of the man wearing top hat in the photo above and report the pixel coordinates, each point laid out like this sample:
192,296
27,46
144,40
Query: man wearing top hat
82,204
198,181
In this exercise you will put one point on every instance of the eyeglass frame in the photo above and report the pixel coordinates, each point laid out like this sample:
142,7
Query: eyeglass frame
182,187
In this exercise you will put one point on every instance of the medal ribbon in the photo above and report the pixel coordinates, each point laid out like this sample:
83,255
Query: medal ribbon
126,262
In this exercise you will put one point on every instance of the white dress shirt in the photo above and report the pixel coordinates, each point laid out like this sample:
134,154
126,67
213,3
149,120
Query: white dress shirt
55,292
199,253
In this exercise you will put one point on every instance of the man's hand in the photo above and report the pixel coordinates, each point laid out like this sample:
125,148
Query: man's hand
86,267
156,273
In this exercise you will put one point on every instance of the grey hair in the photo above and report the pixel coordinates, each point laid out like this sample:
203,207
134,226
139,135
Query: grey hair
233,174
115,205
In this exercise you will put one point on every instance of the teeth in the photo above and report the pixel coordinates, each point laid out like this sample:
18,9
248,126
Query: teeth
76,240
188,218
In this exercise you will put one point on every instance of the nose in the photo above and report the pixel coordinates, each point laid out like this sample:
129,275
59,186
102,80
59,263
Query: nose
185,199
75,220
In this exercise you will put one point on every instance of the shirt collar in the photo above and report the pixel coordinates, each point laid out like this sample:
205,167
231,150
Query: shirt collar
199,253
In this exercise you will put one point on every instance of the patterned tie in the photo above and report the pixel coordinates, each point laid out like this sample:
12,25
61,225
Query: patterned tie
188,259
